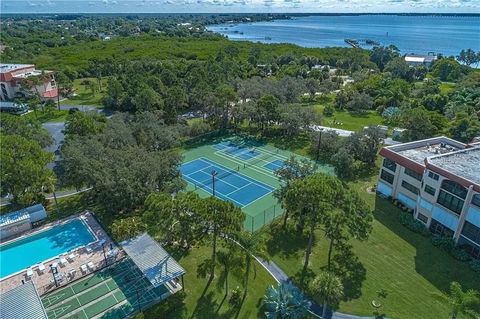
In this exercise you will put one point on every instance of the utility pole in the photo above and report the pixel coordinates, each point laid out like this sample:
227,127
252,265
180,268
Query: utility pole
319,143
214,173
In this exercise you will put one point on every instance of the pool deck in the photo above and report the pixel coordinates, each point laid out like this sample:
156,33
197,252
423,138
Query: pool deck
93,252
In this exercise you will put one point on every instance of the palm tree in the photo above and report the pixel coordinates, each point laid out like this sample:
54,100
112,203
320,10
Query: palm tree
252,244
285,302
460,302
328,288
231,261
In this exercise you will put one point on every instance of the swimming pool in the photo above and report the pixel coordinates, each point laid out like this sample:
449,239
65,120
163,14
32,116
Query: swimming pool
38,247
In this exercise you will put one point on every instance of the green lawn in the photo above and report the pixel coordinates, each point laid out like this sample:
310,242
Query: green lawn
446,87
394,258
348,121
203,300
46,116
84,95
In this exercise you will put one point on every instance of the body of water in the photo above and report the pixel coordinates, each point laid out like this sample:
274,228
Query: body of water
411,34
41,246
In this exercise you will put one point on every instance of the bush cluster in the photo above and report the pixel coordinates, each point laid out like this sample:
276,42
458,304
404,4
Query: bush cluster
475,265
414,225
445,243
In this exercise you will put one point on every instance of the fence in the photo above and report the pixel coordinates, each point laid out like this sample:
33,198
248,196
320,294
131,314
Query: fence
253,223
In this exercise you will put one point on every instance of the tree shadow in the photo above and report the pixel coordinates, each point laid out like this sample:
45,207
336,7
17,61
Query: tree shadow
206,306
432,263
301,278
351,271
285,241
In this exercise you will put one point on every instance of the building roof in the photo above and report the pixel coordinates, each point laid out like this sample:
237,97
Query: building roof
417,151
452,159
418,58
154,262
20,215
10,67
22,302
463,163
14,217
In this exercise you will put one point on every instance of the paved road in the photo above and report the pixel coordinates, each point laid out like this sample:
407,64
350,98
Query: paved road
56,128
315,308
340,132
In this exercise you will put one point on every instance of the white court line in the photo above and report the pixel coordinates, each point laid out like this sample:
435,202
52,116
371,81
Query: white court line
240,204
237,174
253,167
239,189
236,188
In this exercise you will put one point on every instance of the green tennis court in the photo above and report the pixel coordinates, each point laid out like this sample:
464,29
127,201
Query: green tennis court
245,175
111,293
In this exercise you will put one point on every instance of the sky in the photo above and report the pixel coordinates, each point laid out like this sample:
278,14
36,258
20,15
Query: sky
216,6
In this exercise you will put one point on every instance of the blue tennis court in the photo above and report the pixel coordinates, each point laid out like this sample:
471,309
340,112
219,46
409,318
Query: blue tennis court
239,151
274,165
229,184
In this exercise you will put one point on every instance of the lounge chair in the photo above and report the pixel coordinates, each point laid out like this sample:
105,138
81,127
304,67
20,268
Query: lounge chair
41,268
84,268
91,266
62,261
71,273
88,249
71,257
29,273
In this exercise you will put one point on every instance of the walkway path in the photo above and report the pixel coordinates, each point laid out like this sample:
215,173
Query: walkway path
340,132
60,194
315,309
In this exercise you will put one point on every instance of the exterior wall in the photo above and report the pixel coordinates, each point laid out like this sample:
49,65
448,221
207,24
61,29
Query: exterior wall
426,204
12,85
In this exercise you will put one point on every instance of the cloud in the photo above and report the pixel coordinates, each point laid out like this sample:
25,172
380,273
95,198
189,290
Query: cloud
153,6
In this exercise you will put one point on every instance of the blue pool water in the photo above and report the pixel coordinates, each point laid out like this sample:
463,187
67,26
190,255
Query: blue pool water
44,245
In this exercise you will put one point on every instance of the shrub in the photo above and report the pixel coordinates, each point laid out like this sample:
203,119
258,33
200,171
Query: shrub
235,298
443,242
460,254
328,111
414,225
199,128
475,265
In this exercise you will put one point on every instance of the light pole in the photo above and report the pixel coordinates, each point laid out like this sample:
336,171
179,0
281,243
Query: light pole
214,173
54,272
104,255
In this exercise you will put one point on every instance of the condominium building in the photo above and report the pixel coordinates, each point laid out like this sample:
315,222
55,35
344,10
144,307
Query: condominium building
20,80
439,179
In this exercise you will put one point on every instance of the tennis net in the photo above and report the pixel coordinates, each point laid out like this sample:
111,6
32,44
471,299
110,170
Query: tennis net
209,181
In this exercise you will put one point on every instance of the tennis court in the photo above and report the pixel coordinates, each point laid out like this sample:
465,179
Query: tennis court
111,293
245,176
229,183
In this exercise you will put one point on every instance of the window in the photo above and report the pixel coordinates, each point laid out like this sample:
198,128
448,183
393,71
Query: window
450,201
439,229
432,175
430,190
4,91
410,187
476,200
454,188
413,174
391,165
422,218
472,232
386,176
